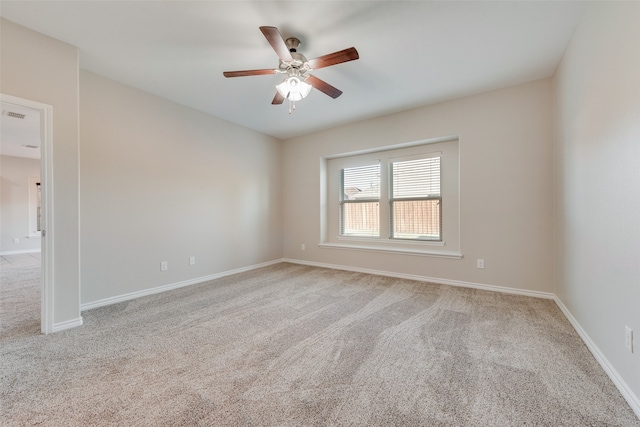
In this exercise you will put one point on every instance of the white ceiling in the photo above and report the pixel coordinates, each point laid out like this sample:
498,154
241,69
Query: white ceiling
412,53
19,131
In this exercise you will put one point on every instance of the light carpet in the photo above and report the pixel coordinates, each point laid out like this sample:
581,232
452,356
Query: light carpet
19,296
291,345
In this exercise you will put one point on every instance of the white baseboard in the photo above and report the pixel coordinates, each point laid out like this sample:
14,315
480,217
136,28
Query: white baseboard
620,383
493,288
68,324
23,251
156,290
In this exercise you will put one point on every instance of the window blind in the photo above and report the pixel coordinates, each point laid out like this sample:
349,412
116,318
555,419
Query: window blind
416,178
361,183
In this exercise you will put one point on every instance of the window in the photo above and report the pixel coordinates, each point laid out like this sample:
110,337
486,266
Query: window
399,199
415,203
35,207
360,201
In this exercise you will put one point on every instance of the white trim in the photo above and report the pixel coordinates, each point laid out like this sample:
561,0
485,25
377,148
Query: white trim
391,250
79,188
46,192
22,251
156,290
422,156
391,241
619,382
46,178
493,288
67,324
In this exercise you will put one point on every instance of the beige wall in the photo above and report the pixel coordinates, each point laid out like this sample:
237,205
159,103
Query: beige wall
14,202
597,89
42,69
505,187
162,182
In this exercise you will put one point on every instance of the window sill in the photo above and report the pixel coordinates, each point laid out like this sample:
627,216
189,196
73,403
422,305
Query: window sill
391,250
351,240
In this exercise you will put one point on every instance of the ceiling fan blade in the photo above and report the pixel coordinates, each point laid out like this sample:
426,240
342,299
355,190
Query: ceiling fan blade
277,43
334,58
278,99
245,73
323,86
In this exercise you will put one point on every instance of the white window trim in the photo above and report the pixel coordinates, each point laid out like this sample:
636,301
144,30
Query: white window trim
391,241
330,238
390,250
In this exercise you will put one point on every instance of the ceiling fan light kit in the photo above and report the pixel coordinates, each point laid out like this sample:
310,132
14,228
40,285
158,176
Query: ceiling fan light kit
293,89
299,81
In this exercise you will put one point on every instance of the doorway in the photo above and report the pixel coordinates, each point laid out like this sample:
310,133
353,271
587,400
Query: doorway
27,134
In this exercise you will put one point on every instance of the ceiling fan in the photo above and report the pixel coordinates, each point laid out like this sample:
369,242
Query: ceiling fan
299,80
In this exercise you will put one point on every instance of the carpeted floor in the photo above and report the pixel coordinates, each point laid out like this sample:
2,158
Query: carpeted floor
19,296
292,345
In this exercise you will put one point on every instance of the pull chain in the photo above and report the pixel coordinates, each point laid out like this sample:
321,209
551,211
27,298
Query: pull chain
292,106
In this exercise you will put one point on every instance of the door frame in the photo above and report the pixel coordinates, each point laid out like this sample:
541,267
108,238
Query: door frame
46,179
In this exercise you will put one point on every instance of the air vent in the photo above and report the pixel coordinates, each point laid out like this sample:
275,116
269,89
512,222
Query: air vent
14,115
30,146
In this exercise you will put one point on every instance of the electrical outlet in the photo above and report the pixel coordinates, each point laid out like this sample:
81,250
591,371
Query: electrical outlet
480,263
192,260
164,266
16,240
302,247
628,338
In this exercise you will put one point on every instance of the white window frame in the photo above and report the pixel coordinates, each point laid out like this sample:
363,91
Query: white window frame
393,199
343,201
448,151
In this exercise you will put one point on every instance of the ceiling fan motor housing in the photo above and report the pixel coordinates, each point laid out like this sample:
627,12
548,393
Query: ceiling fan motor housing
299,65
